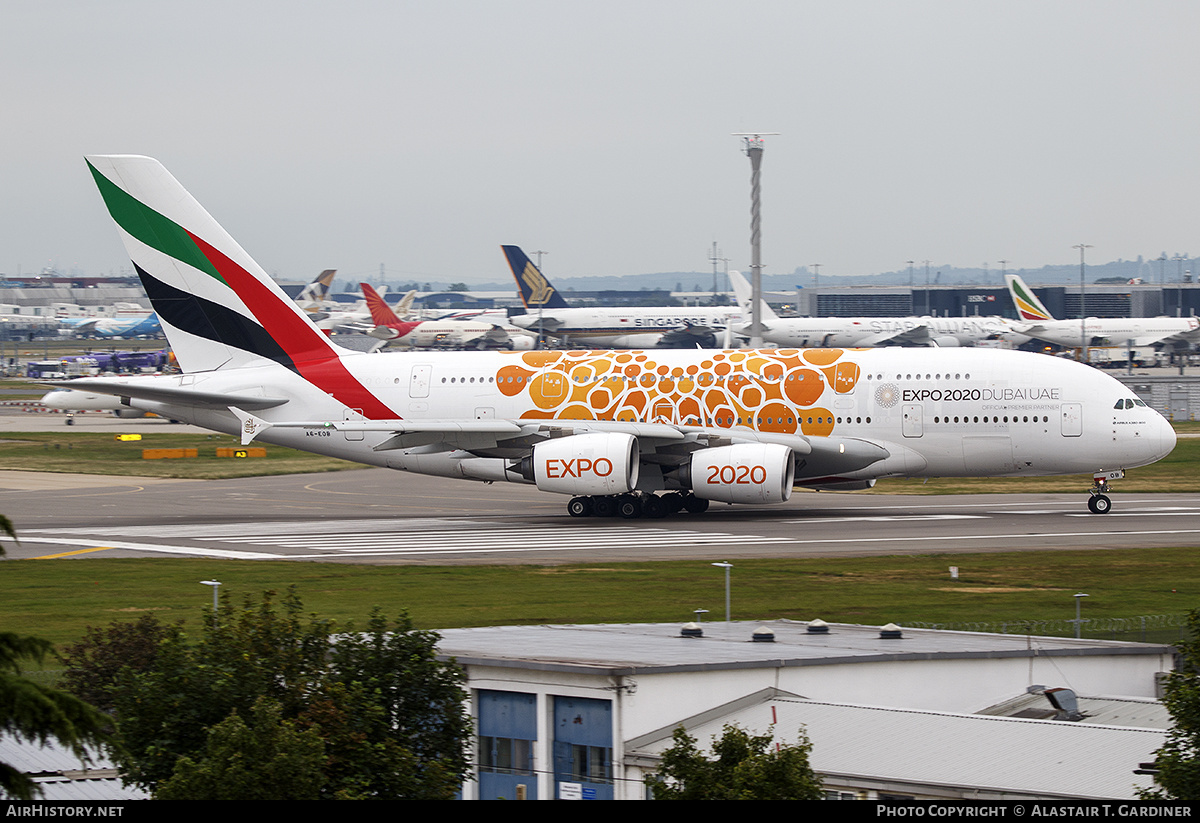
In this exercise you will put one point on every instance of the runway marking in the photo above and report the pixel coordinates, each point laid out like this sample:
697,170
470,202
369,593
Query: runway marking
158,548
70,554
889,518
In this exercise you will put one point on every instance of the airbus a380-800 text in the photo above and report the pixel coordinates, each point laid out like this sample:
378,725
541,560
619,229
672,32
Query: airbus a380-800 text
639,433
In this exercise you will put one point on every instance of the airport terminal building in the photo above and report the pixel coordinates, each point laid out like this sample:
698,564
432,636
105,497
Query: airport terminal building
585,712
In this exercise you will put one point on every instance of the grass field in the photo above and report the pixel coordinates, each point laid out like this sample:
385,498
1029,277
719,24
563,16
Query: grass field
101,453
59,599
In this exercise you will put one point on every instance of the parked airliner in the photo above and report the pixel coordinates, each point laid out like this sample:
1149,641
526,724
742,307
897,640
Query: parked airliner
1176,333
614,327
639,433
869,331
440,333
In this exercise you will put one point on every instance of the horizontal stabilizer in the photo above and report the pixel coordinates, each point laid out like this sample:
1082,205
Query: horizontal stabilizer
173,395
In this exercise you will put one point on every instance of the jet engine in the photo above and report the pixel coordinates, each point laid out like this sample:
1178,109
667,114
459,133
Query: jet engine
946,341
599,463
743,473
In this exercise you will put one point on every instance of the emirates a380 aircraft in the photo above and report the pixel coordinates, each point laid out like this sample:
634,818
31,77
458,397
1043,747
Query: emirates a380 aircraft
639,433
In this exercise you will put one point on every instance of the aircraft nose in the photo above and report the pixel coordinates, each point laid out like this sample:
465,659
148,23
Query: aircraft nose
1167,437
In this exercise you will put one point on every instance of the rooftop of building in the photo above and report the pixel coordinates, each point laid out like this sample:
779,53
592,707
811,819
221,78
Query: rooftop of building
627,649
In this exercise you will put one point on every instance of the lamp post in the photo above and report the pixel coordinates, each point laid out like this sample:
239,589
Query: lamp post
726,567
1083,347
216,585
1078,621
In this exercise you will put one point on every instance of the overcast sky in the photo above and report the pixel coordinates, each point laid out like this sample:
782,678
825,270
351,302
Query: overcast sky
423,135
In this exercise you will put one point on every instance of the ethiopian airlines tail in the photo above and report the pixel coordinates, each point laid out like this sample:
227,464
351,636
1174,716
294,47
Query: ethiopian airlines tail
536,290
1029,308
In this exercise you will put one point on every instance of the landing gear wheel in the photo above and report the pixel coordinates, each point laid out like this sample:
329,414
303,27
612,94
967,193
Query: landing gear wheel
604,506
1099,504
695,505
629,506
653,506
673,501
579,506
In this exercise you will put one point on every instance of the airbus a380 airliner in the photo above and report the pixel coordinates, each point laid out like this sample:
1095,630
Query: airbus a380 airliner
629,432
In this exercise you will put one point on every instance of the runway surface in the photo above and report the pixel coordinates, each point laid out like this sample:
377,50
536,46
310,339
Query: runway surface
378,516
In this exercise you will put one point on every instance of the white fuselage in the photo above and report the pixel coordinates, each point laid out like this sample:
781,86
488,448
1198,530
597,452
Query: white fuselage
624,327
937,412
1115,331
872,331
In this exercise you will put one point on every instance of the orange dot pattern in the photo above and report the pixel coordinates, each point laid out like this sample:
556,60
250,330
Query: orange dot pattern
777,390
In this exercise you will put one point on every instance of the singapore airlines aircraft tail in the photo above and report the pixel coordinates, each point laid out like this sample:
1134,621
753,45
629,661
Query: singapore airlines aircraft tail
1029,308
635,432
536,291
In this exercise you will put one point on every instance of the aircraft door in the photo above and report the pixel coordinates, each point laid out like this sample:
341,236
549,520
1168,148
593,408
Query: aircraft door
913,423
1071,415
354,415
418,381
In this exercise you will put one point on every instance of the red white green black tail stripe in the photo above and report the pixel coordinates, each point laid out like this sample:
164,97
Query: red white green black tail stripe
219,308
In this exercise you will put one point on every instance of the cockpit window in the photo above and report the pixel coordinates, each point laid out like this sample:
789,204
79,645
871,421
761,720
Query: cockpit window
1139,402
1126,403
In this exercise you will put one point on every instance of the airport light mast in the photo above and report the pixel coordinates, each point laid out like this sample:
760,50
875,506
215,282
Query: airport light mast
754,150
1083,343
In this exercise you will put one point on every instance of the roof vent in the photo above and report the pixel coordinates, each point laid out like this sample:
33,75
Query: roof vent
818,626
691,630
763,635
1067,704
891,632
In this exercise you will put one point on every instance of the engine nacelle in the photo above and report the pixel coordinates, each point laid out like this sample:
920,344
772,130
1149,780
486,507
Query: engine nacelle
596,463
743,473
946,341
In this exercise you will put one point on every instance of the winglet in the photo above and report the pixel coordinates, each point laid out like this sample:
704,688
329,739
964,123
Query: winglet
251,426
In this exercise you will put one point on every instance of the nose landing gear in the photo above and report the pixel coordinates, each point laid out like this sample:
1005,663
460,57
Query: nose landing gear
1099,502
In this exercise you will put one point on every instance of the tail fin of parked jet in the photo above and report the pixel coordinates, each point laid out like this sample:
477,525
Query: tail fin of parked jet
536,291
741,288
312,296
1029,308
218,307
381,312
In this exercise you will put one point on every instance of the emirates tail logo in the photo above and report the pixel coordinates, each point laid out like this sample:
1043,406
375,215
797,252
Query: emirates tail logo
540,290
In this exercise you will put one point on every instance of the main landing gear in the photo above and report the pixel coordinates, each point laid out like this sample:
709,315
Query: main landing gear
635,504
1099,503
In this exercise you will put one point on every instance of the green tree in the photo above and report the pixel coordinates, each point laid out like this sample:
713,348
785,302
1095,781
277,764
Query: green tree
35,713
743,767
392,716
268,758
1178,761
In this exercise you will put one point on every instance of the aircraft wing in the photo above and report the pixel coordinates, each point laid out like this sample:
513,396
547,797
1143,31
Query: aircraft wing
690,336
897,337
664,444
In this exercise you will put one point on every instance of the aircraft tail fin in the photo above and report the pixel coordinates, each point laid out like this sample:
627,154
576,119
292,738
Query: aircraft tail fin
316,292
218,307
741,288
381,312
404,307
536,290
1029,308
